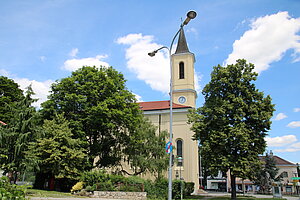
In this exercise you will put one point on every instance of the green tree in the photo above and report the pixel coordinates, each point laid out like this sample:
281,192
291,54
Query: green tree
56,153
15,136
100,110
266,173
9,93
145,150
234,120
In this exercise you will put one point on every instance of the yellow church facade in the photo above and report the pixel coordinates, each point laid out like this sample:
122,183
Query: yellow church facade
184,98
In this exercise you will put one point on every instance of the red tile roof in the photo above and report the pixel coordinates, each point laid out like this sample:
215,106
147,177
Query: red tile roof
159,105
278,160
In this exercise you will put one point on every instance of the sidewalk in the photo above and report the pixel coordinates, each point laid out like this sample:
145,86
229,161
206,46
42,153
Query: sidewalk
216,194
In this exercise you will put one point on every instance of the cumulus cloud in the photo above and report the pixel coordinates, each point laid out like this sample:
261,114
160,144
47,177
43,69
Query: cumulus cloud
73,52
74,64
41,89
267,41
286,143
287,150
296,145
138,97
294,124
280,116
155,71
296,109
280,140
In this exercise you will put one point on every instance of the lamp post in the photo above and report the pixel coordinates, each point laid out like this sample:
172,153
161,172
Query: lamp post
190,15
180,162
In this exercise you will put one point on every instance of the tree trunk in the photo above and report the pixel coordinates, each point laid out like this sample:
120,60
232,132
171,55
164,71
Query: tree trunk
233,187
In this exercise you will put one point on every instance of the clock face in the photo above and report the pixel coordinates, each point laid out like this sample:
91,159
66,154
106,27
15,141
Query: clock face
182,99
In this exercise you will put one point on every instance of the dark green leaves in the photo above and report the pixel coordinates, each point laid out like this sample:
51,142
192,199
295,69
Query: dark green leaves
235,118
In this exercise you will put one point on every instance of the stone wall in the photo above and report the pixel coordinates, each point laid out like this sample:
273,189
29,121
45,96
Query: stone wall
120,195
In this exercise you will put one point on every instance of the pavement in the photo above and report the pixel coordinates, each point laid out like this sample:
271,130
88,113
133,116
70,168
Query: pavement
209,194
215,194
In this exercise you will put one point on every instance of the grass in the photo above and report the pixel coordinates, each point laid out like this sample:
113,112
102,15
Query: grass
46,193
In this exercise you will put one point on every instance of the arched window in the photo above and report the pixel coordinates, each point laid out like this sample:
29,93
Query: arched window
181,70
179,147
284,174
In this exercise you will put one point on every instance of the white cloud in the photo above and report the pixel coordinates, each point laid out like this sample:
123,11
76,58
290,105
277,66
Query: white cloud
296,145
3,72
43,58
155,71
267,41
138,97
287,150
280,140
192,30
280,116
73,52
41,89
296,109
294,124
74,64
290,148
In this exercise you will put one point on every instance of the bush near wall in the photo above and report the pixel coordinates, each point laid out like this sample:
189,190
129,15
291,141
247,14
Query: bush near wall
99,180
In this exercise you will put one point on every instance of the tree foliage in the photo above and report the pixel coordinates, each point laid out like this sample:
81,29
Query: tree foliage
16,135
266,173
9,94
145,151
232,123
100,110
56,152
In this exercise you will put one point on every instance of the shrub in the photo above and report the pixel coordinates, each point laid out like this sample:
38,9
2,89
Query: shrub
77,187
176,188
90,188
157,189
10,191
189,188
94,177
105,186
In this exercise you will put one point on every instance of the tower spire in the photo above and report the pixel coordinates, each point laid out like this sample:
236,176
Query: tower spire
181,44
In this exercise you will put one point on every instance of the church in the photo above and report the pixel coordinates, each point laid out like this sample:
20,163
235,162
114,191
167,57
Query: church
184,98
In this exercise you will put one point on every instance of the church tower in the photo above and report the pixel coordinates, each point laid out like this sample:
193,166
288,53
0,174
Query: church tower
183,74
185,151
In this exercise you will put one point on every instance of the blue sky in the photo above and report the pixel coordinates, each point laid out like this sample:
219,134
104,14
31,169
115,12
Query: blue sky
43,41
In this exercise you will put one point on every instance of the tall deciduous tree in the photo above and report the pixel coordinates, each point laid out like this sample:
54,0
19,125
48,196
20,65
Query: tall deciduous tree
99,108
16,135
234,120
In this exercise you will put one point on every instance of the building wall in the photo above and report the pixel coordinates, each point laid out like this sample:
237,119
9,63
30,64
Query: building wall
287,181
181,130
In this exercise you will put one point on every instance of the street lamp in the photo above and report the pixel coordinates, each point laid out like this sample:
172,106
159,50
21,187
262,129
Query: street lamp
190,15
180,162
